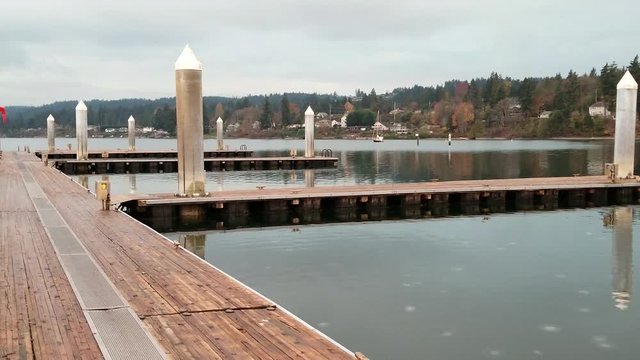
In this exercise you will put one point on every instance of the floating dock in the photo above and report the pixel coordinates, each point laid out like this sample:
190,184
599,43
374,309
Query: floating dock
170,165
78,282
281,206
138,154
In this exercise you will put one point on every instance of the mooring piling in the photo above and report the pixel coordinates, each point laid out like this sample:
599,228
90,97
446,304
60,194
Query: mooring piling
309,128
81,131
624,148
51,134
132,133
219,133
191,175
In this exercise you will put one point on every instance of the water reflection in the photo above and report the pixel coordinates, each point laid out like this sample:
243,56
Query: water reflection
84,181
309,178
132,184
621,221
194,243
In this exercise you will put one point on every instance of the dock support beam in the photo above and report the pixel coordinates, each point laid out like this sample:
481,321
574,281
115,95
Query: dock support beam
191,175
309,128
81,131
624,148
132,133
51,134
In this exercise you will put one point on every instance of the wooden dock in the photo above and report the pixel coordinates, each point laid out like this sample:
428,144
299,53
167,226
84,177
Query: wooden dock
281,206
140,154
170,165
187,308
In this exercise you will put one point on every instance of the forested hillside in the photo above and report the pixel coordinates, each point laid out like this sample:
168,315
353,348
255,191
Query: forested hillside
493,106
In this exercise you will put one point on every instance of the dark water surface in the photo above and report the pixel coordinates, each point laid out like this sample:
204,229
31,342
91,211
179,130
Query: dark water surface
535,285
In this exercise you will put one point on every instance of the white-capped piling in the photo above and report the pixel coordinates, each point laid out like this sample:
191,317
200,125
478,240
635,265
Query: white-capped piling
132,133
219,133
622,256
81,131
449,139
625,139
51,134
309,128
189,128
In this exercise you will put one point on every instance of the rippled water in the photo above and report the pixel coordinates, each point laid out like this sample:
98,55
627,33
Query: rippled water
551,285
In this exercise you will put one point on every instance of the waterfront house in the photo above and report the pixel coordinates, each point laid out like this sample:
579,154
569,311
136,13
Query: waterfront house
598,109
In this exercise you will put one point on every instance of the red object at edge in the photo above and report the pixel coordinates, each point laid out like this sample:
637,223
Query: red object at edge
4,114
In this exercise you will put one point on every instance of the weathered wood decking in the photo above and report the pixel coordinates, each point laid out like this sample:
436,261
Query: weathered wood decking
40,316
191,309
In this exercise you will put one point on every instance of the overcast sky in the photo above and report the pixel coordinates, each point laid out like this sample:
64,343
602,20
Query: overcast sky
68,50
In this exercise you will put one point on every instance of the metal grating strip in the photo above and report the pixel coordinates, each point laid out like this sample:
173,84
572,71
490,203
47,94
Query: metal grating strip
92,287
41,203
64,240
50,217
123,336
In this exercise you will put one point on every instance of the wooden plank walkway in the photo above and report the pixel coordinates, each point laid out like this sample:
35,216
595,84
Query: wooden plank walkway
192,309
434,187
40,316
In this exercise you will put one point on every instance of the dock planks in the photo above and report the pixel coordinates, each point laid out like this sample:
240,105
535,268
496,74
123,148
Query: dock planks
192,309
40,316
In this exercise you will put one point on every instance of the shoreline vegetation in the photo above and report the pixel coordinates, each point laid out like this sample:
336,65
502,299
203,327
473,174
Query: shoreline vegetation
572,106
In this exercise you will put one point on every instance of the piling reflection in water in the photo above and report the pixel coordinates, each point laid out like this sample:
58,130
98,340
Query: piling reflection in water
84,181
622,250
132,184
194,243
309,178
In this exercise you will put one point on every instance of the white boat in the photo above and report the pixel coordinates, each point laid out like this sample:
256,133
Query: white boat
376,135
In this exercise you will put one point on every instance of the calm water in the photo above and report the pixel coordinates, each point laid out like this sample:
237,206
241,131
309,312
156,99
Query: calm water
508,286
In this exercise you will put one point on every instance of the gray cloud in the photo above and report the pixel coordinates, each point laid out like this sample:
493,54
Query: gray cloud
71,49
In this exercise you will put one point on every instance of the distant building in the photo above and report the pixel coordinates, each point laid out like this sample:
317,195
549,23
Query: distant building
545,114
335,123
321,115
598,109
324,123
379,126
348,107
399,129
343,121
147,129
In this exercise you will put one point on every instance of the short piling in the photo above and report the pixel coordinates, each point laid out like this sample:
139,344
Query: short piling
51,134
81,131
309,128
220,133
132,133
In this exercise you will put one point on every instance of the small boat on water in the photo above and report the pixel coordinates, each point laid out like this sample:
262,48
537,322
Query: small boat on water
376,134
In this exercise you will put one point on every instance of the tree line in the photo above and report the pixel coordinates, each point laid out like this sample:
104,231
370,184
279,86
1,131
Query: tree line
492,105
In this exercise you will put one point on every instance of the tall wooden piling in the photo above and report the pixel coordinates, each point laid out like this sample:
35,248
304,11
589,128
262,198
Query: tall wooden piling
624,148
81,131
132,133
51,134
191,175
309,128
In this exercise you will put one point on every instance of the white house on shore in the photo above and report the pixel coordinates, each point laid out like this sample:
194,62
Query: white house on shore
379,126
598,109
545,114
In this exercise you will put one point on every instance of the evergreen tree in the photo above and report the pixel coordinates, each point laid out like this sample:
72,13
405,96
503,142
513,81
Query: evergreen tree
634,69
266,118
525,95
284,109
